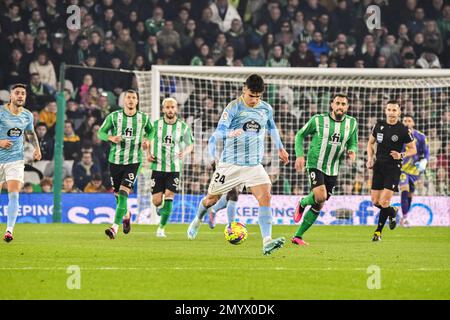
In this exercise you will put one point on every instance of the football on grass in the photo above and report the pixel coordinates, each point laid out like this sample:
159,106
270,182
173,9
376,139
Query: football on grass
235,232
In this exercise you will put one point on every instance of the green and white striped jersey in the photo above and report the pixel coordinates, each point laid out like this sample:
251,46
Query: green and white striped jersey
132,130
168,141
330,139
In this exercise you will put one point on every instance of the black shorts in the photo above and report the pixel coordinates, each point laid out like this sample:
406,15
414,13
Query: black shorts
123,175
162,181
318,178
386,177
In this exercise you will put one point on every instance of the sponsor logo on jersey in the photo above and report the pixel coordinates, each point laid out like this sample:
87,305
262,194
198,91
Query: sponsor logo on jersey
168,140
394,138
252,126
128,133
14,133
379,137
335,139
382,127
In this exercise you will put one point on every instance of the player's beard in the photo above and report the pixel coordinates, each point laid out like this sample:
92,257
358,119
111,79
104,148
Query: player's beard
339,116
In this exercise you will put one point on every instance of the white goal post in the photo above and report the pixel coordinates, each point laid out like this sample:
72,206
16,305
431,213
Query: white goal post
295,95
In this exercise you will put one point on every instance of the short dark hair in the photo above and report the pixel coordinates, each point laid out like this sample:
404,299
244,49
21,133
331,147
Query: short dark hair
341,95
393,102
408,115
255,83
41,124
18,85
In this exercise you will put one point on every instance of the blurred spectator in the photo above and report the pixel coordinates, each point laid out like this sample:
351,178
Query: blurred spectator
187,33
432,37
208,29
75,114
236,38
429,60
46,142
278,60
44,67
27,188
298,24
312,9
228,58
168,37
35,22
84,170
95,185
200,59
343,58
302,57
223,14
48,115
317,46
417,24
46,185
17,71
72,142
219,47
254,58
152,52
68,185
156,22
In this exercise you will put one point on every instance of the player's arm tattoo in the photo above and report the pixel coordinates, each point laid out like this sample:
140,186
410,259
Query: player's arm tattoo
32,138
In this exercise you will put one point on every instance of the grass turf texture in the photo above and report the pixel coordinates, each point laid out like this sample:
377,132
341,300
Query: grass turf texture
414,264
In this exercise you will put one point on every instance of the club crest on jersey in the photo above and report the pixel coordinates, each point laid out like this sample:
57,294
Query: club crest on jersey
252,126
225,115
394,138
14,133
379,137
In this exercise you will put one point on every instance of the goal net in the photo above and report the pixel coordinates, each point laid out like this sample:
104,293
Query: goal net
296,94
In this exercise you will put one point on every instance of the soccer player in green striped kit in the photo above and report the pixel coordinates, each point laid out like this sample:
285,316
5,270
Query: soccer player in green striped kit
172,141
333,134
128,130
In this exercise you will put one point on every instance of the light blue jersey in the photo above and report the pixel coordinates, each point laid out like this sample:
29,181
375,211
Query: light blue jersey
248,148
13,127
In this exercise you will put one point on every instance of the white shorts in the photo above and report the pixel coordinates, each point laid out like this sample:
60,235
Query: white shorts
12,171
228,176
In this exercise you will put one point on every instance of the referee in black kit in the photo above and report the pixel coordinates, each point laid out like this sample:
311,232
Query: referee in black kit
390,136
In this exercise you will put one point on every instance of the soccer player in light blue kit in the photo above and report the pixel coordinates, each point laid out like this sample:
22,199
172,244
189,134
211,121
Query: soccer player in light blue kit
412,168
243,125
15,122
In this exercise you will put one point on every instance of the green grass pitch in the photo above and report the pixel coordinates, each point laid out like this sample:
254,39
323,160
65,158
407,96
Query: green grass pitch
414,264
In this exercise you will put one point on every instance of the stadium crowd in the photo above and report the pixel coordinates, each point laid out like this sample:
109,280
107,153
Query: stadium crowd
136,34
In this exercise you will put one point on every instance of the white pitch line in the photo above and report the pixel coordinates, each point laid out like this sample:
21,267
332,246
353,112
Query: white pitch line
205,269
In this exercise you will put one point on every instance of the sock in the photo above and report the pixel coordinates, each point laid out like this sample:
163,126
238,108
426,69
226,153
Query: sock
13,210
309,219
409,202
122,207
308,200
231,210
405,203
201,211
265,222
222,203
384,214
115,227
165,212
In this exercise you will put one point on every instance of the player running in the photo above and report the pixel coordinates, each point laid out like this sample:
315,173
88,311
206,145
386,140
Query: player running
390,135
333,134
172,142
412,167
127,129
243,124
15,122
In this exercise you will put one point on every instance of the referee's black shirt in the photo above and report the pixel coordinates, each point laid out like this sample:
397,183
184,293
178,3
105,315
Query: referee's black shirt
390,137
